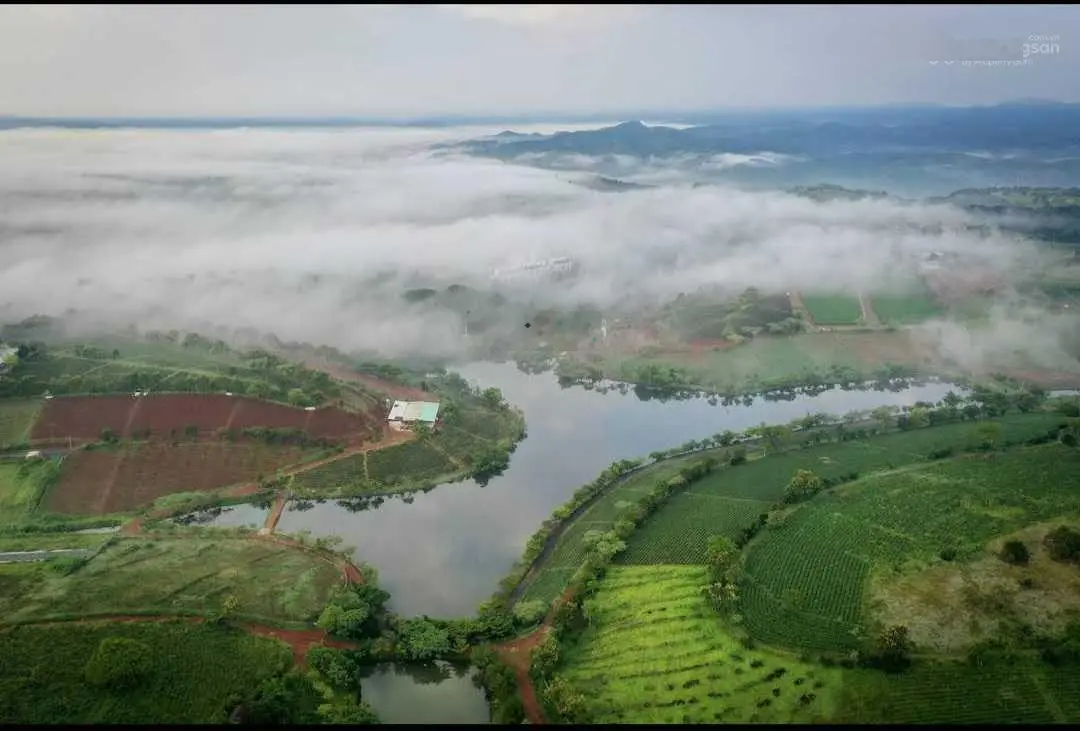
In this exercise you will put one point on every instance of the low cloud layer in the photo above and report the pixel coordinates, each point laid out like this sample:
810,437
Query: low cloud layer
313,234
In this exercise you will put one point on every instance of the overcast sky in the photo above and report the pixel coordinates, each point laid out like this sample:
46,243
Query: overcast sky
469,59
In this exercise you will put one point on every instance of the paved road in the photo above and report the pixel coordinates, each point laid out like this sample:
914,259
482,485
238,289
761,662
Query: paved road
29,556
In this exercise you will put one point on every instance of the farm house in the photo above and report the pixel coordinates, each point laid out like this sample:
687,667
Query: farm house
404,414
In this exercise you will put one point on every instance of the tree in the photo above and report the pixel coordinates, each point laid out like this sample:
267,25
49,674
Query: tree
529,613
568,703
282,700
722,555
230,606
492,397
421,639
893,647
803,486
546,656
1015,552
883,415
119,663
1063,544
348,712
990,434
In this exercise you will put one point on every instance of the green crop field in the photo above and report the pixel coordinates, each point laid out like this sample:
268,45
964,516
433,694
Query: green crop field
342,475
569,551
833,309
805,578
16,418
655,652
999,691
21,486
681,536
905,309
196,669
271,581
412,461
678,533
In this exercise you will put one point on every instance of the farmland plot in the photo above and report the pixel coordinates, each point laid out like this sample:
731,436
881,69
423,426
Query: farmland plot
123,478
412,461
805,578
16,420
343,475
836,309
905,309
272,581
655,652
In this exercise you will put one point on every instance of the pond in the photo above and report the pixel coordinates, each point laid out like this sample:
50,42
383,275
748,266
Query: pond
444,551
433,693
245,515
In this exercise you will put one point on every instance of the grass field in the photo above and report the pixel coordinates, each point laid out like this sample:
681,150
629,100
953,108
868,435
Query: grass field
833,309
905,309
22,485
273,582
728,500
806,578
16,419
196,668
655,652
46,541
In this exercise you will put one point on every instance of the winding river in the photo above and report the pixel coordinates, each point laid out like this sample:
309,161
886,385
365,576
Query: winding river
443,552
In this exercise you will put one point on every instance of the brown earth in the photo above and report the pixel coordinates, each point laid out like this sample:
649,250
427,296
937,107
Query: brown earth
85,417
124,478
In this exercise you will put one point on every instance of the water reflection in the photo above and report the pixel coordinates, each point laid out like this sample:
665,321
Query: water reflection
425,693
248,515
444,550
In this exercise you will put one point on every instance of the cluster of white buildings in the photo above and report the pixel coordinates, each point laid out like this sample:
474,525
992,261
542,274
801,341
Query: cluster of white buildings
536,270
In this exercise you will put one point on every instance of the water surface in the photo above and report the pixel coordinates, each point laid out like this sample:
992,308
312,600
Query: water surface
433,693
444,551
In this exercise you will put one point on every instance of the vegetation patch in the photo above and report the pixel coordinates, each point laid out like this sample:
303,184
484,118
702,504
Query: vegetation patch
262,580
145,673
22,486
805,578
654,651
16,419
833,309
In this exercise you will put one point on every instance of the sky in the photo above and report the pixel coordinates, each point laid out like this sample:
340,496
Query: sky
370,60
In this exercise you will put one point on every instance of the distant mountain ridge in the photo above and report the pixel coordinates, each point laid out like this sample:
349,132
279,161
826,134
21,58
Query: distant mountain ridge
1038,125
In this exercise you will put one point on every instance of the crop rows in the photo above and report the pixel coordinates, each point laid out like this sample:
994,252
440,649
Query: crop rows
84,417
412,461
954,693
121,479
833,309
680,532
332,476
486,424
809,572
654,652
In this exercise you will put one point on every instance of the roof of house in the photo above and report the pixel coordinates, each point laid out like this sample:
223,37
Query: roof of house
414,411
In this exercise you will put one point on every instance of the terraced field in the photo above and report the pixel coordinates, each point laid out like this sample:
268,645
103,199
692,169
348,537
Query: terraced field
805,578
654,652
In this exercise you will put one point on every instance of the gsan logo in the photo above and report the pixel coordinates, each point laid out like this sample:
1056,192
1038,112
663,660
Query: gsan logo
1041,46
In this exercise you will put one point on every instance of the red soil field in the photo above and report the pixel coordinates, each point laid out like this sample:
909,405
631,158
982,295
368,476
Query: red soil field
117,480
84,417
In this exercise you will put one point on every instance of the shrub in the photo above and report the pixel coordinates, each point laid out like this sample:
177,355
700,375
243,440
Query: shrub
1015,552
119,663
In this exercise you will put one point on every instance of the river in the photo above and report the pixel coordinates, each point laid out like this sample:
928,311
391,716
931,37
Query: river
442,552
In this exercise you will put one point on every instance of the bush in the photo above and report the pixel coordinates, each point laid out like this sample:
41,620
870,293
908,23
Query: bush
529,613
119,663
1016,553
1063,544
